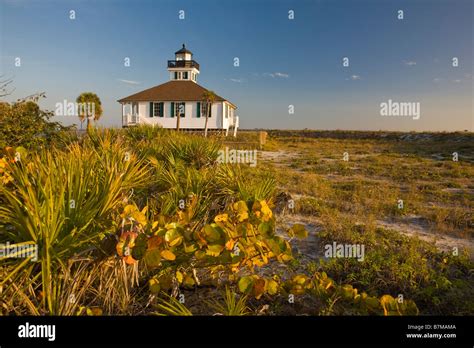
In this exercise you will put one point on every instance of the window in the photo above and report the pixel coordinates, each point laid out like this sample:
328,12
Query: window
204,110
180,109
158,110
198,111
185,75
175,75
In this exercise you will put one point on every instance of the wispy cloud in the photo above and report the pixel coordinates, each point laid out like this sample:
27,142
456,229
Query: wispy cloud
354,78
237,80
409,62
129,82
277,75
467,77
282,75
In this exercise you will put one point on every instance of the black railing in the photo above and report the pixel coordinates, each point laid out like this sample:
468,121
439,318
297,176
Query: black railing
183,64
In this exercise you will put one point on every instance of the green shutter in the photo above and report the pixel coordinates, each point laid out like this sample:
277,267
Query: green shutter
184,110
172,109
162,109
151,109
198,114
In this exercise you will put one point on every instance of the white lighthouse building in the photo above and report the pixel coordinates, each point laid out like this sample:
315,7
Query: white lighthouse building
180,97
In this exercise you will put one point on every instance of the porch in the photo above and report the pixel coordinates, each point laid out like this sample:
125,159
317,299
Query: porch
130,114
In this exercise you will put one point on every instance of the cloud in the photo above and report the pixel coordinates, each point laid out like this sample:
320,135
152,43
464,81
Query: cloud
457,81
277,74
129,82
409,63
354,77
437,79
282,75
237,80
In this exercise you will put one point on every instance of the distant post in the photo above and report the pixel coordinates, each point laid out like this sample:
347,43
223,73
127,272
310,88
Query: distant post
262,139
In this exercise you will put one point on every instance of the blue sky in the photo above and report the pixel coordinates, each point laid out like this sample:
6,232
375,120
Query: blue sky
282,62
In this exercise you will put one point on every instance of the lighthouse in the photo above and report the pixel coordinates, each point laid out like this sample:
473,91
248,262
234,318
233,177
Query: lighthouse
180,97
183,67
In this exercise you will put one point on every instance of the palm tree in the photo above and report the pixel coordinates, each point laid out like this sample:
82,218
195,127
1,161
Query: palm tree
208,98
178,116
90,107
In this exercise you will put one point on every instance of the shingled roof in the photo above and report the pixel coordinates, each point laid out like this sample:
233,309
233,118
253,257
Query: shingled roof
171,91
183,50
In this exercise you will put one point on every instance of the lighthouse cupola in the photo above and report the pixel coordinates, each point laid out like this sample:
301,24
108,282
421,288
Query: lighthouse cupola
183,67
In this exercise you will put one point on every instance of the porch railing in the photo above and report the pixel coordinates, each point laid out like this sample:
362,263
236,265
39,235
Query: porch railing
130,119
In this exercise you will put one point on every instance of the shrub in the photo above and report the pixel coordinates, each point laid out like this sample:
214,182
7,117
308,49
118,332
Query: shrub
23,123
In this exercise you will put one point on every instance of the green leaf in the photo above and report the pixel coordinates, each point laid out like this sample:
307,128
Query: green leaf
298,230
213,233
154,285
22,152
246,284
266,228
274,246
373,303
214,249
408,307
94,311
189,281
173,237
272,287
139,250
153,258
190,248
348,291
200,254
300,279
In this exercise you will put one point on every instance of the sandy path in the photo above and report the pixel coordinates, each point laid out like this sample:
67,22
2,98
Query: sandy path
442,242
311,249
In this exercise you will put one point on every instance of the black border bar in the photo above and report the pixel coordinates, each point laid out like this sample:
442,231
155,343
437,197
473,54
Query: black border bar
260,330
